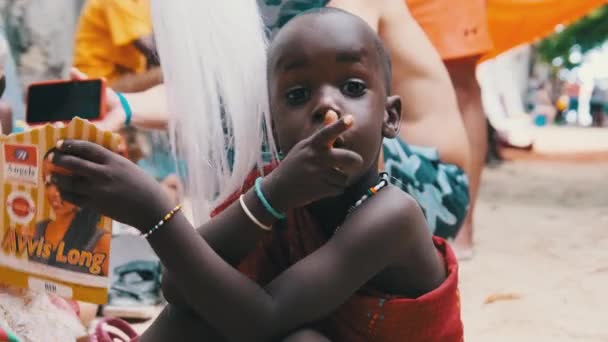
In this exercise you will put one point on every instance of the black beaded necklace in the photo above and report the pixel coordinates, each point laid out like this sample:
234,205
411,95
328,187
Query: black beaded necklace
384,181
384,178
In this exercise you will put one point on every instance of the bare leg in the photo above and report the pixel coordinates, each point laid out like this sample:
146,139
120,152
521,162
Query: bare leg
468,93
493,157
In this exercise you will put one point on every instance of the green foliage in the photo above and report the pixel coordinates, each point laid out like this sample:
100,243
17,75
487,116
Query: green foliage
586,34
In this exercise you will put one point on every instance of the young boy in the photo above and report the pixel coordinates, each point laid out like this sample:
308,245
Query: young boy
353,259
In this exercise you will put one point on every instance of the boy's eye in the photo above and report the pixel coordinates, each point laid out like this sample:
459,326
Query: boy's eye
296,96
354,88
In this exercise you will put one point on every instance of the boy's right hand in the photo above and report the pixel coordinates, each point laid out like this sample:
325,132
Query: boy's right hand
313,169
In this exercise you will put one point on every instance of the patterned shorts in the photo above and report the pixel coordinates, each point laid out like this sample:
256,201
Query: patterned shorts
277,13
442,190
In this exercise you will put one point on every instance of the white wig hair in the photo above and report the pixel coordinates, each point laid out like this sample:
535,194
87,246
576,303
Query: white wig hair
213,57
4,51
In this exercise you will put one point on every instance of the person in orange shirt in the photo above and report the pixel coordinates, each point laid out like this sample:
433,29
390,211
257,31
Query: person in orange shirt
114,41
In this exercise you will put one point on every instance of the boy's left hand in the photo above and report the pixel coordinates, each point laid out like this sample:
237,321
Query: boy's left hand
108,183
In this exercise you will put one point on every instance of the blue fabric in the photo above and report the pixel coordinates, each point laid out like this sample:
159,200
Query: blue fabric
277,13
161,162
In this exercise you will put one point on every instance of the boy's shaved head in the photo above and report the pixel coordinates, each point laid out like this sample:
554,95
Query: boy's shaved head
307,20
330,60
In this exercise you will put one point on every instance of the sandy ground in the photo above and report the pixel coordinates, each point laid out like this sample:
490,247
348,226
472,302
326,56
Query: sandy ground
542,236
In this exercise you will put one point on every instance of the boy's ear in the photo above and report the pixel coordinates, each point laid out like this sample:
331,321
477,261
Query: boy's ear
392,117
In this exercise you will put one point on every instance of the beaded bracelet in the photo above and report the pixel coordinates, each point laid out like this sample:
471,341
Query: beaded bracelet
126,107
162,221
271,210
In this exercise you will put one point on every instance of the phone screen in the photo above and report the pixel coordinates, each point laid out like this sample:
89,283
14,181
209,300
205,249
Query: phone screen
64,100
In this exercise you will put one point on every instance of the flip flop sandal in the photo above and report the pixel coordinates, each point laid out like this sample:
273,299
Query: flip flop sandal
136,292
113,330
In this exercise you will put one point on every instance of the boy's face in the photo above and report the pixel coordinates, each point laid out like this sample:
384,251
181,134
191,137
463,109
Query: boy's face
329,61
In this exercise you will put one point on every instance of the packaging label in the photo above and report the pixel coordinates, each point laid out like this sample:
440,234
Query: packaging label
47,243
21,163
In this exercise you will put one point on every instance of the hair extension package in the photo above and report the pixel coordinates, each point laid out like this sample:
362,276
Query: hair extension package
46,243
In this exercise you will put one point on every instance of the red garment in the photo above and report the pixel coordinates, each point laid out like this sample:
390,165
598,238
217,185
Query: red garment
367,315
434,316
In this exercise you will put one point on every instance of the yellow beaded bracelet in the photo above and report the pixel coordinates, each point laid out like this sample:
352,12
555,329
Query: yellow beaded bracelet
162,221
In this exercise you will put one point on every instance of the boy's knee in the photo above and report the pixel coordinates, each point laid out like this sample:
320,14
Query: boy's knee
306,335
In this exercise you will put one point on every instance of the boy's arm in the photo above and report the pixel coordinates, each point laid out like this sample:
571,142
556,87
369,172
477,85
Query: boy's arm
147,46
228,241
149,107
138,82
381,232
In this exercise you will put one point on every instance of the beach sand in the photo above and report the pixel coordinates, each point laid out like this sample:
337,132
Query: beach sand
542,255
542,247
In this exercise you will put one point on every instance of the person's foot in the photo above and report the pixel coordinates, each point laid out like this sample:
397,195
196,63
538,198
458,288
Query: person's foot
463,244
463,253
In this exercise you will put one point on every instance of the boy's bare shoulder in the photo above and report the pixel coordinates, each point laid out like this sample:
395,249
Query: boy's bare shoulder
391,218
392,204
397,199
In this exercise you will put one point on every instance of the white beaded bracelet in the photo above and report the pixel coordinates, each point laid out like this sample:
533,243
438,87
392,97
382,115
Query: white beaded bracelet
251,216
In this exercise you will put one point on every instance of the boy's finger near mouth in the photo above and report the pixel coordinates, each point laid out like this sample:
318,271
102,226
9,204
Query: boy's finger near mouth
339,142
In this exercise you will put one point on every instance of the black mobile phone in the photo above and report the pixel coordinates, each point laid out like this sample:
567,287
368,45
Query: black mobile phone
54,101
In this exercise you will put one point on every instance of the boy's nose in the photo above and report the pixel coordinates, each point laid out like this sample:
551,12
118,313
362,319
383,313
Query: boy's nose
327,100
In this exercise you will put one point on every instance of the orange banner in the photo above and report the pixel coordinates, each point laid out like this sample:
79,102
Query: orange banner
514,22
